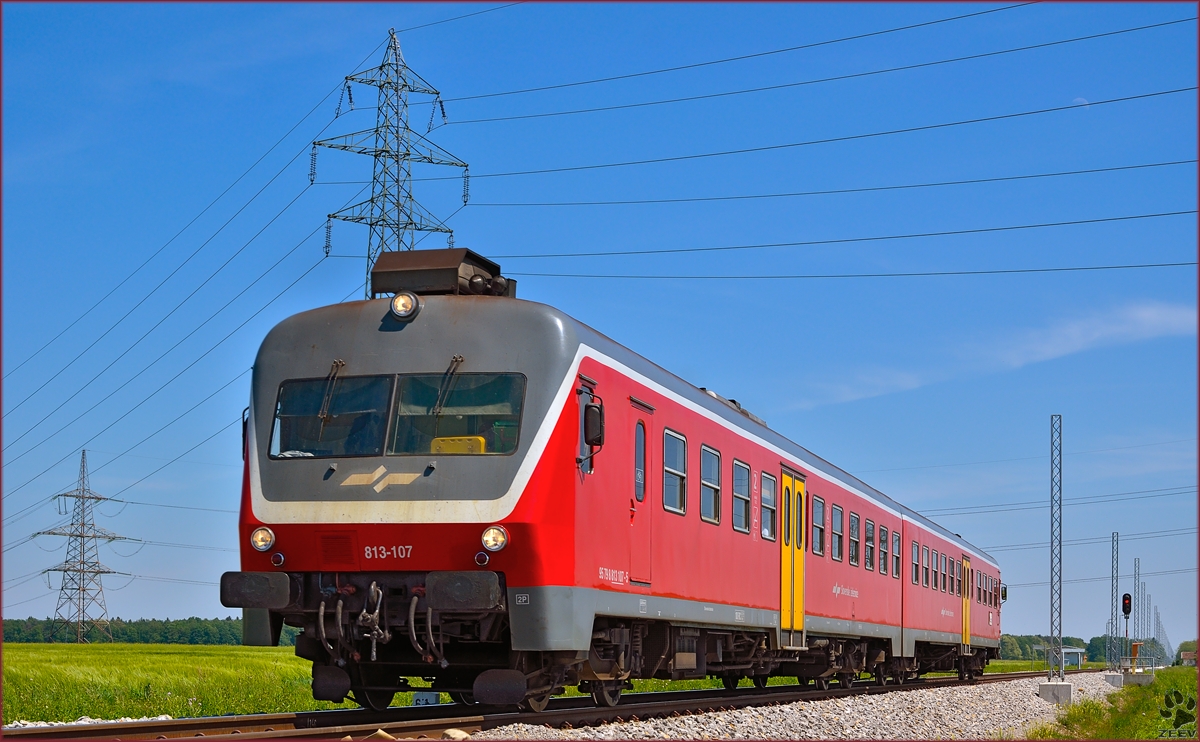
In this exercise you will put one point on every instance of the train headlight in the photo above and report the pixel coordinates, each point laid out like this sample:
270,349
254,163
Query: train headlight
405,305
262,539
495,538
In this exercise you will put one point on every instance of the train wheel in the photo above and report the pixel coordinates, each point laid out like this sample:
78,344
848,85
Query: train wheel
760,681
466,698
845,680
880,676
606,693
821,683
536,704
730,682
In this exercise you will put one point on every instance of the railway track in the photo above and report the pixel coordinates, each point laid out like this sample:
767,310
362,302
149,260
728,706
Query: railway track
432,721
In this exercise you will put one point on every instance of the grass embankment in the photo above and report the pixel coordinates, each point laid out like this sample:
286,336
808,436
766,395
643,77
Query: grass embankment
62,682
1133,712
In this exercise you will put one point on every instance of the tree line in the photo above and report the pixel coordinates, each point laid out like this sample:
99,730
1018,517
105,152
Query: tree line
141,631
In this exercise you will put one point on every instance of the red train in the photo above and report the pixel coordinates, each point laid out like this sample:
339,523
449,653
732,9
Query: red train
458,485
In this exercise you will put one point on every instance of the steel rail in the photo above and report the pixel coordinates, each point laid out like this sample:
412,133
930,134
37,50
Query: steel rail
431,721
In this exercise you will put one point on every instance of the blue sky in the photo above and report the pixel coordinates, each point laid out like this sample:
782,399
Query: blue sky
122,122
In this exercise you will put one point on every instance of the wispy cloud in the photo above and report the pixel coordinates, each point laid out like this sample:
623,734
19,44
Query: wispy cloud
1012,350
861,384
1128,324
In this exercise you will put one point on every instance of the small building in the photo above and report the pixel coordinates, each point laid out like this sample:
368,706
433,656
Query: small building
1188,658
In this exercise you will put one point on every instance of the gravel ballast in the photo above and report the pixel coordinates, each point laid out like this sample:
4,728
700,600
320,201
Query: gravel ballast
989,710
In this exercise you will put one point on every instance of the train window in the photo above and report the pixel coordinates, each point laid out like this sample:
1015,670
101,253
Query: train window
854,539
335,416
944,573
978,587
957,578
925,566
818,525
639,461
916,563
767,507
935,579
710,485
786,521
869,547
741,497
883,549
457,414
896,555
674,472
835,540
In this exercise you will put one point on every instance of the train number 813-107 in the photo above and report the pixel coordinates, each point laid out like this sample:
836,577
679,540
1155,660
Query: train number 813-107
387,552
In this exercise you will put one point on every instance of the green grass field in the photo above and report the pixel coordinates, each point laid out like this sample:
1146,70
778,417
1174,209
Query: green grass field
62,682
1134,712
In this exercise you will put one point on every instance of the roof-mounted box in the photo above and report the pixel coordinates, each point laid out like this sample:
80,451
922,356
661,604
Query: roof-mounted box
450,271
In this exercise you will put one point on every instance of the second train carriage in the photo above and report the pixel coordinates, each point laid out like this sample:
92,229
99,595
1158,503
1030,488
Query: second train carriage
459,485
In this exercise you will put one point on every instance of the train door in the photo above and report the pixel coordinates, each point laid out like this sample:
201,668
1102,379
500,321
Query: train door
792,558
966,601
640,510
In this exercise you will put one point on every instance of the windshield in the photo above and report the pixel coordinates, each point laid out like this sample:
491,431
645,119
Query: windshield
457,414
353,424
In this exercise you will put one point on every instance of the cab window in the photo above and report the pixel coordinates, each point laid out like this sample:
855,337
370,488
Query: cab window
459,414
336,416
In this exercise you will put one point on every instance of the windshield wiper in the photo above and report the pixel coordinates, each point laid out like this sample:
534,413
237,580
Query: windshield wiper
330,383
444,391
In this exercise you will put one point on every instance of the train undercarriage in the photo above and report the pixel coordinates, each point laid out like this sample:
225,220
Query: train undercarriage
367,634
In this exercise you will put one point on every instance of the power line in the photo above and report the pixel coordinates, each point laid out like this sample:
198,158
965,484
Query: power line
739,58
237,180
1094,540
829,192
448,20
1105,578
851,240
176,507
159,286
164,354
826,140
30,508
1025,458
858,275
1039,504
836,78
180,373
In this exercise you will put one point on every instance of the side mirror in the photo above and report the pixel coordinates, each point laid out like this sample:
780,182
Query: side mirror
1003,593
593,424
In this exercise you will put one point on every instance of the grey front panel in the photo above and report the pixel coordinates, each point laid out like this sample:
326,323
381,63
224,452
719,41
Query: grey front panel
821,626
492,334
561,618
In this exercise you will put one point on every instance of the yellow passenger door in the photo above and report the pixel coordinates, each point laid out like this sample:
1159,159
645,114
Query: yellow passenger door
791,552
966,602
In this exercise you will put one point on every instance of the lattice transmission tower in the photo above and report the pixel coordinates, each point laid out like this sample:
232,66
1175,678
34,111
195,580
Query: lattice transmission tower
392,214
1056,641
81,606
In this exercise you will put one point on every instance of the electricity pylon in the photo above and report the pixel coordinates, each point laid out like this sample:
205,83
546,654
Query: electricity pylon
391,213
81,597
